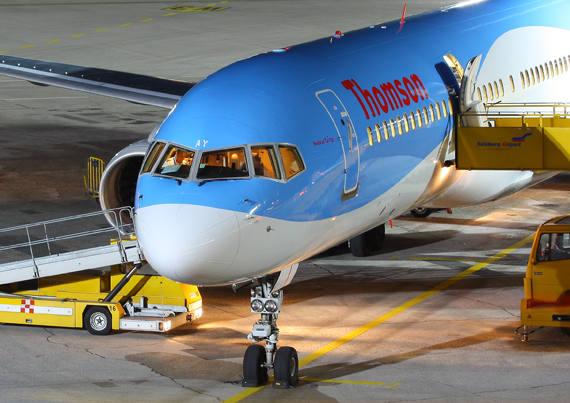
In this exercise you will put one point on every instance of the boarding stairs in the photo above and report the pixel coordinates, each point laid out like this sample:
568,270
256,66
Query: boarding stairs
526,136
67,245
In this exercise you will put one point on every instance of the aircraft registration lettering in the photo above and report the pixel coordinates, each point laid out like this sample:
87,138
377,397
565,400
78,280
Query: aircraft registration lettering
390,96
199,143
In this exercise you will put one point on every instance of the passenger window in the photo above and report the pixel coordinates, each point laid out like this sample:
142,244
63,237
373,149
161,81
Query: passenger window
413,120
370,138
419,114
406,123
152,156
444,109
547,71
512,83
565,63
378,133
291,160
399,121
491,95
479,93
485,97
223,164
385,128
537,74
450,106
556,67
502,88
542,72
431,113
532,76
522,81
392,127
425,113
265,162
175,163
559,247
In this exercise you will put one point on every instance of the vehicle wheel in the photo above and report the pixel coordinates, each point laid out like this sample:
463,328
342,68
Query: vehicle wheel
254,373
369,242
421,212
286,368
98,321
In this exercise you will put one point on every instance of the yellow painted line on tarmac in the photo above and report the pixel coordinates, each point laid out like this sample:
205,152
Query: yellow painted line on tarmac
101,30
1,53
77,36
446,260
26,47
168,15
385,385
53,41
387,316
148,19
126,25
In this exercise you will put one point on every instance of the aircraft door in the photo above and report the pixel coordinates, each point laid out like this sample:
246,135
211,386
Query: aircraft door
348,140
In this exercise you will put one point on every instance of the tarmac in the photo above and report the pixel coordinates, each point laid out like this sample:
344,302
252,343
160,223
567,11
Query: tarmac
431,317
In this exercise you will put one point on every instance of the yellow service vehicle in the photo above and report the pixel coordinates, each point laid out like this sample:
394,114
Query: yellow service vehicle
146,302
547,281
57,274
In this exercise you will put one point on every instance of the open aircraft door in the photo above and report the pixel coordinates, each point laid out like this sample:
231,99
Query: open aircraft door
466,97
348,140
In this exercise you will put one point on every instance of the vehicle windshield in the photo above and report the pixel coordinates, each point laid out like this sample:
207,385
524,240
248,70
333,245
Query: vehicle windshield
175,163
223,164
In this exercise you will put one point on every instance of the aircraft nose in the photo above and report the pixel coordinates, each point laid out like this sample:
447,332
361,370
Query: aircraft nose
188,243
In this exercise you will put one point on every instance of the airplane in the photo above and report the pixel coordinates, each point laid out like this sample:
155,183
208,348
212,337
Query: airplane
281,156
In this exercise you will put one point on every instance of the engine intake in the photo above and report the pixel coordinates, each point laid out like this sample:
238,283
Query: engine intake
119,180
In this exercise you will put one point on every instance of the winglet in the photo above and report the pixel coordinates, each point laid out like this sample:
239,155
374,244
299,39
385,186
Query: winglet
403,20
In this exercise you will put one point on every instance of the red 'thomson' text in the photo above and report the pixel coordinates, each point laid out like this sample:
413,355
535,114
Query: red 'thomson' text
390,95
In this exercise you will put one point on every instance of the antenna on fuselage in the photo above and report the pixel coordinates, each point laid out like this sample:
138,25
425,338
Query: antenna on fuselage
403,20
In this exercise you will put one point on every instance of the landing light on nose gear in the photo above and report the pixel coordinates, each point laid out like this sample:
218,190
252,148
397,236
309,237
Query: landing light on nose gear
266,299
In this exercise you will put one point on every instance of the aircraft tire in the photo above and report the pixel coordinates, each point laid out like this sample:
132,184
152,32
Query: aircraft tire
98,321
286,368
254,373
357,247
369,242
421,212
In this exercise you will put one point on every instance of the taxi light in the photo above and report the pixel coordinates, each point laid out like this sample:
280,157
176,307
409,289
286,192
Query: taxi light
271,306
256,305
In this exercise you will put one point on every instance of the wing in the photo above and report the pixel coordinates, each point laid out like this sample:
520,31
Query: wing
137,88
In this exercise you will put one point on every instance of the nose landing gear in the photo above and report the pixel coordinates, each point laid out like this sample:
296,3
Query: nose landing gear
257,360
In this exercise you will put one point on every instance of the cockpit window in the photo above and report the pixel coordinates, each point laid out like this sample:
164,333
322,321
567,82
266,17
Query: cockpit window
152,157
265,162
291,161
176,163
222,164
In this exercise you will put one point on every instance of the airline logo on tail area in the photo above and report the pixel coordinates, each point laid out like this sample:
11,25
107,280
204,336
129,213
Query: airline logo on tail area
390,96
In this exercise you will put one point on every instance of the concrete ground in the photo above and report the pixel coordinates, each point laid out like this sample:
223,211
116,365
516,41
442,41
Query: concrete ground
457,345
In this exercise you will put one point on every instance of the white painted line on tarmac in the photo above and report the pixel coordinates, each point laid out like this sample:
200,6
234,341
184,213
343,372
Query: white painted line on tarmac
39,99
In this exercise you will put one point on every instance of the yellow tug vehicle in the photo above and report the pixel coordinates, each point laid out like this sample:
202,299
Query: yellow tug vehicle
145,303
547,281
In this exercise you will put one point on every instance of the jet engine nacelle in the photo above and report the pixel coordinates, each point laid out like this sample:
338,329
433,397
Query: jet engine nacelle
119,180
